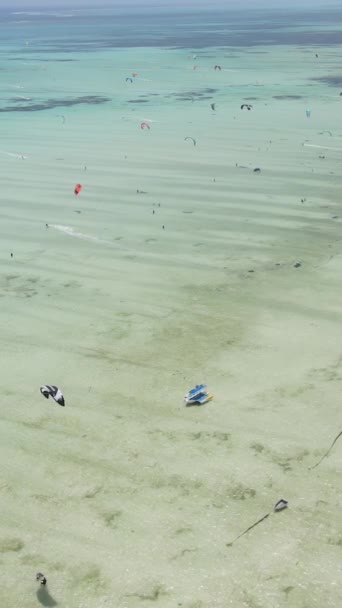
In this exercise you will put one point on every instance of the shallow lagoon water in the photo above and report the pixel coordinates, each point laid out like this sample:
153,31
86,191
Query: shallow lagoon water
126,497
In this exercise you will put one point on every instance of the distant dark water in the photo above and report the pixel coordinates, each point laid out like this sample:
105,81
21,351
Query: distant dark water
69,31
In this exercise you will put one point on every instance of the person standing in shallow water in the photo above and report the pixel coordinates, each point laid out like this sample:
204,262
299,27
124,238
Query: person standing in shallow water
41,578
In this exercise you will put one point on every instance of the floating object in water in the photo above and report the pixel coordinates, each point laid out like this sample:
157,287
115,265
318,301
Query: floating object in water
297,265
217,67
130,79
328,452
246,105
145,125
134,74
198,394
212,105
279,506
308,112
48,390
77,189
192,139
257,170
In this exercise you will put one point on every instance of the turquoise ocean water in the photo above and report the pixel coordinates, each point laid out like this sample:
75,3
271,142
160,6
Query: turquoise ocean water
174,265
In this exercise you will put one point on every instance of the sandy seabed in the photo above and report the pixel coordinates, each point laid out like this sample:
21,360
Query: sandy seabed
126,497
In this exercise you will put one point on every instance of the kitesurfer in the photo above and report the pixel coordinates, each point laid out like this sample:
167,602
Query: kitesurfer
41,578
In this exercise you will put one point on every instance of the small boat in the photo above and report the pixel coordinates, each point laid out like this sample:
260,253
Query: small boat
198,394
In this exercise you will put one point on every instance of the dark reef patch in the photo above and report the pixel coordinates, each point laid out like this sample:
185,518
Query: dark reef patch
332,81
289,97
40,60
57,103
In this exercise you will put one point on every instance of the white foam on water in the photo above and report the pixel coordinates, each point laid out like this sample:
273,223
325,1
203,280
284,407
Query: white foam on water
79,235
13,154
324,147
16,86
149,119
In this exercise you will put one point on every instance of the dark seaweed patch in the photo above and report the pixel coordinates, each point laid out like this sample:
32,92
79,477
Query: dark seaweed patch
40,60
287,97
18,99
193,94
137,101
332,81
56,103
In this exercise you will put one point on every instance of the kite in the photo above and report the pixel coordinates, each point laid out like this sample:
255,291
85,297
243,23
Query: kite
279,506
48,390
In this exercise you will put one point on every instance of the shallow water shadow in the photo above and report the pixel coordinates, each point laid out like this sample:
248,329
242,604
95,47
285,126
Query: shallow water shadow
287,97
332,81
44,597
56,103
